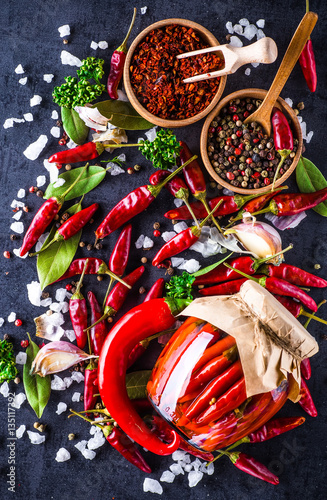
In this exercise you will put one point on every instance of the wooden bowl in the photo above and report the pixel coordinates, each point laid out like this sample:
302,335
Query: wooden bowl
207,37
259,94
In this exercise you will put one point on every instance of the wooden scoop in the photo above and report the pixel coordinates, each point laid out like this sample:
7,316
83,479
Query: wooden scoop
263,51
263,114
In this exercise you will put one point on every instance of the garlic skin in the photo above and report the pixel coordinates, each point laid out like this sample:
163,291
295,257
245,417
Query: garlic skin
92,117
259,238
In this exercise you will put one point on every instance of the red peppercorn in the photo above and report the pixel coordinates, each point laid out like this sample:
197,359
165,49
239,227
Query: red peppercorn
130,170
241,146
255,140
230,176
219,128
6,254
18,322
69,287
156,233
238,151
239,133
32,189
212,130
235,118
229,141
267,181
246,114
41,345
249,160
25,208
232,109
232,159
62,142
24,343
270,156
256,175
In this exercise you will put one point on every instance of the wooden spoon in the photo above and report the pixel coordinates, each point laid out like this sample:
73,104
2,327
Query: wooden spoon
263,113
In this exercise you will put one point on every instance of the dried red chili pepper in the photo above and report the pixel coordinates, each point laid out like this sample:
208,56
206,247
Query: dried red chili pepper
44,216
133,204
274,428
294,275
283,138
256,203
78,313
119,255
251,466
297,310
156,291
72,225
98,333
77,266
135,326
222,273
306,368
85,152
90,389
308,63
306,401
227,288
117,64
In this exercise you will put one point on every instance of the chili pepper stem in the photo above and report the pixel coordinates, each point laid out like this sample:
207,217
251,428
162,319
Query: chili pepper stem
258,262
313,316
185,200
88,419
155,190
122,47
108,290
204,201
197,230
80,283
103,269
284,153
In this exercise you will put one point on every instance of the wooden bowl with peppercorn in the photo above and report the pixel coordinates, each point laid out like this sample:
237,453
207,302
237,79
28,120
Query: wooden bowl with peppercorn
240,157
153,77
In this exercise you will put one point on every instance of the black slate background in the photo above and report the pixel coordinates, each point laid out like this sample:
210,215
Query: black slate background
30,37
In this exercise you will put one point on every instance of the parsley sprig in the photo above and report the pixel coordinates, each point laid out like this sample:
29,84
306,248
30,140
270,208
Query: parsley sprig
180,287
162,151
8,370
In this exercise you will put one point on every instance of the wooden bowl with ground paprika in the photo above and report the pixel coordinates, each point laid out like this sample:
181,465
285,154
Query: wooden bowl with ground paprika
243,158
153,77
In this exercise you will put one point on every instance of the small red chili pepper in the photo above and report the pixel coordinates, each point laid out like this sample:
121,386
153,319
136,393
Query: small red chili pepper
134,326
283,138
44,217
274,428
251,466
306,401
77,266
137,352
227,288
215,350
222,273
156,291
306,368
294,275
117,64
71,227
133,204
308,63
297,310
78,313
90,389
85,152
257,203
99,332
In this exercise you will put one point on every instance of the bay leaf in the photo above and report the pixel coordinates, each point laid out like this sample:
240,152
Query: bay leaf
122,115
91,178
74,126
37,389
136,383
55,260
309,179
207,269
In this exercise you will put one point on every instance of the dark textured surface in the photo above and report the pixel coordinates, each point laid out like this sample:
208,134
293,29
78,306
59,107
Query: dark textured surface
30,38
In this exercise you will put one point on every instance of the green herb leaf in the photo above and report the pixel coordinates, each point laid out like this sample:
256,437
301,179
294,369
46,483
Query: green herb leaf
89,180
37,388
55,260
122,115
74,125
207,269
8,370
180,287
309,179
136,383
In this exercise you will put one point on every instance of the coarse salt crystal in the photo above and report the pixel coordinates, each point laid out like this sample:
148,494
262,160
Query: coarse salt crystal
17,215
70,334
55,132
188,467
178,455
62,455
4,389
12,317
176,469
115,169
255,65
54,115
152,485
177,261
23,81
35,100
17,204
57,384
97,441
59,182
76,396
64,30
16,251
94,45
71,144
52,169
88,454
36,437
139,241
151,134
61,408
191,266
34,293
56,306
81,445
235,41
41,180
143,9
20,431
68,381
167,477
67,58
1,321
48,77
61,294
180,226
46,302
250,31
33,151
309,136
18,400
260,34
78,377
17,227
122,96
229,27
238,29
103,45
260,23
8,123
28,117
244,22
194,477
40,241
19,70
148,243
247,71
168,235
303,126
21,358
178,202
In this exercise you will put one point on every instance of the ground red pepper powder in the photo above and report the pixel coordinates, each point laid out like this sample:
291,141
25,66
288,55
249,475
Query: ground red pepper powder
157,76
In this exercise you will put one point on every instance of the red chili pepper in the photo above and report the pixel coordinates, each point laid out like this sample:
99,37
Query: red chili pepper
72,225
217,349
257,203
251,466
283,138
297,310
135,326
306,401
156,291
44,216
306,368
117,64
228,288
274,428
77,266
133,204
308,63
85,152
125,446
294,203
90,389
222,273
294,275
137,352
99,332
78,313
119,255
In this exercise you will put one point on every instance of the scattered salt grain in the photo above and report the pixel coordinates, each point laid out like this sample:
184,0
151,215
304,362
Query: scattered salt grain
4,389
64,30
235,41
28,117
61,294
48,77
57,384
17,215
54,115
255,65
139,242
250,31
41,180
188,467
55,132
168,235
103,45
17,204
121,157
67,58
122,96
71,144
210,469
260,34
8,123
194,477
23,80
35,100
34,150
94,45
115,169
40,241
56,306
191,266
309,136
303,126
76,396
152,485
61,408
81,445
17,227
238,29
62,455
36,437
59,182
1,321
247,72
244,22
178,455
16,252
176,469
177,261
143,10
12,317
68,381
78,377
88,454
196,464
34,293
180,226
20,431
19,70
97,441
260,23
148,243
70,334
178,202
167,477
21,358
289,101
229,27
151,134
18,400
